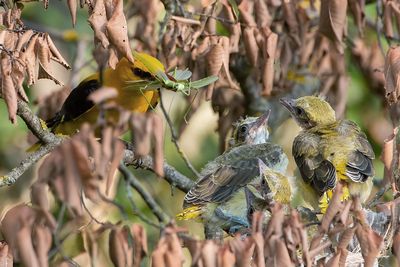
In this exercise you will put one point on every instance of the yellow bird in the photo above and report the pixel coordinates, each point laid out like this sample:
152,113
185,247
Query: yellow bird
328,150
78,109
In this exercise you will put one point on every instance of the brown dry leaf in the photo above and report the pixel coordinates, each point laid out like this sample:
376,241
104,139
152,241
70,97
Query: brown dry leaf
25,247
12,223
39,195
158,134
55,54
276,222
392,74
226,258
209,252
333,22
98,21
23,40
6,258
289,12
243,250
8,91
157,257
282,257
59,171
10,40
141,128
334,207
103,94
72,6
396,246
357,8
224,42
18,71
269,53
119,247
387,19
387,157
29,58
250,45
215,59
42,243
117,31
344,241
43,52
206,3
140,249
263,17
370,243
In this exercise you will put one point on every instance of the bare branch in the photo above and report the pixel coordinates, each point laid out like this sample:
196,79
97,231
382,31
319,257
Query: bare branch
147,197
50,141
172,176
15,173
36,125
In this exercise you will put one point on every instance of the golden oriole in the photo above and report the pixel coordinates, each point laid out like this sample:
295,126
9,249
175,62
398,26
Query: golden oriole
232,186
328,150
78,109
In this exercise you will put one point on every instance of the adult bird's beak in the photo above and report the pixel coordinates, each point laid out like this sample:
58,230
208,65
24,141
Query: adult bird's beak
288,103
262,120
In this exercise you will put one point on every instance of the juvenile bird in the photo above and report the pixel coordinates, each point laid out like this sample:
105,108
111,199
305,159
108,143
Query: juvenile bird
328,150
233,185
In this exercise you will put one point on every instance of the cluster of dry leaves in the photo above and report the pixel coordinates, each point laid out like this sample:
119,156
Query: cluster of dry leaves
266,46
24,54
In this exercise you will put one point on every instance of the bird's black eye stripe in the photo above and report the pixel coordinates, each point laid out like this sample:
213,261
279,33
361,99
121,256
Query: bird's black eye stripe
142,74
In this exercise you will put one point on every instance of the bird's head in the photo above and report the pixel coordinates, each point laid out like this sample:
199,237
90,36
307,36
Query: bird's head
144,67
309,111
252,130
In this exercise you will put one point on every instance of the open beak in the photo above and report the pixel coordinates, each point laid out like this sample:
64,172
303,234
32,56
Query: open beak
288,103
262,120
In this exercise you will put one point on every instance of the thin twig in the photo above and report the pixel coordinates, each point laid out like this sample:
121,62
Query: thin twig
146,196
11,177
89,212
174,139
135,208
186,20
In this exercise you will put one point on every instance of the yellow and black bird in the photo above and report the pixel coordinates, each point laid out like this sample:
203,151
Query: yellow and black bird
238,182
328,150
78,108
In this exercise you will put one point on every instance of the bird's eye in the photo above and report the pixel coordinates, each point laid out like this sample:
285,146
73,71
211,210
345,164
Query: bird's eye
243,129
299,111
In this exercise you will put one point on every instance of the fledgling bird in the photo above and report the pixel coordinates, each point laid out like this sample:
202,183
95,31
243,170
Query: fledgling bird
328,150
234,185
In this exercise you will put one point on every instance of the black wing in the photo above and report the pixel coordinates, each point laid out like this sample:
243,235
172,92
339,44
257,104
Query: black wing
76,103
359,162
314,169
219,186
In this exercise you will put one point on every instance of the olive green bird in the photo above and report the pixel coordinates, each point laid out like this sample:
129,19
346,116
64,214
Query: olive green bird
234,185
328,150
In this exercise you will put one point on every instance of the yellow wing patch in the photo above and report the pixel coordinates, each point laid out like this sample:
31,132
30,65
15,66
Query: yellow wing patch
190,213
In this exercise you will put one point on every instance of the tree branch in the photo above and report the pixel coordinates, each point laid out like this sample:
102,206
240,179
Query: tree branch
146,196
172,176
36,125
50,141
